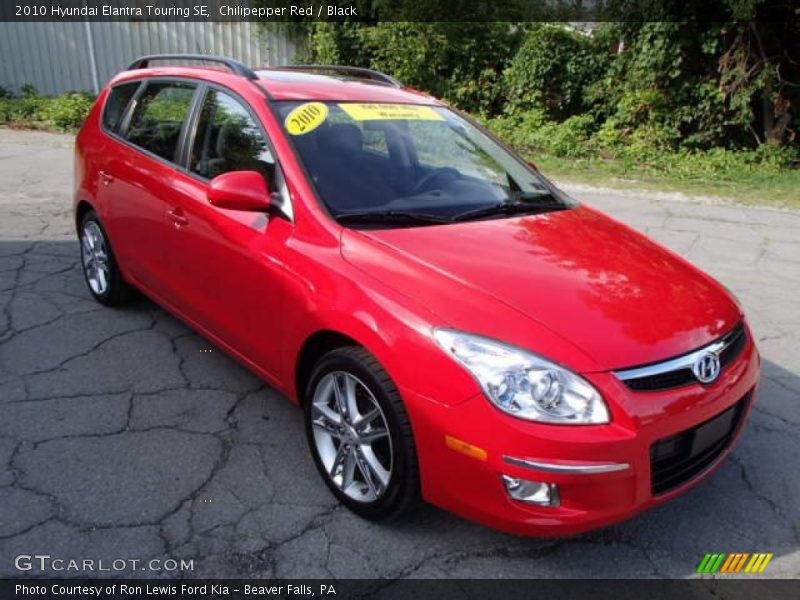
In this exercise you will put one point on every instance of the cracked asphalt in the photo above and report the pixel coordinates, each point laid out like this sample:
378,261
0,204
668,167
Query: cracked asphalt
123,437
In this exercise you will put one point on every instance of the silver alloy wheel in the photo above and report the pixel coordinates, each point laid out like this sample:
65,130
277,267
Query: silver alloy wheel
95,258
351,436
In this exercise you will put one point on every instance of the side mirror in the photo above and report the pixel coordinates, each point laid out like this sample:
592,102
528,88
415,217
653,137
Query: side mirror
240,190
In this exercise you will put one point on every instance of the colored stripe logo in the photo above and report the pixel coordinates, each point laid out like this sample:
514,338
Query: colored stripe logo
735,562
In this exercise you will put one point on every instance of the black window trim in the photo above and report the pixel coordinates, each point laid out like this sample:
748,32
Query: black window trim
286,207
181,136
122,130
189,129
194,121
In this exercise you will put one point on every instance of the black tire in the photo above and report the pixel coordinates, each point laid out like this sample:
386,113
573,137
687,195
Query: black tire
117,291
402,493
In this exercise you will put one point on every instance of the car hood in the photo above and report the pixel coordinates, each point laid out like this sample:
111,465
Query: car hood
603,287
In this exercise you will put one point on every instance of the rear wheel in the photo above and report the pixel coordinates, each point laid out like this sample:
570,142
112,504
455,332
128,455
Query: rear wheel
100,267
360,436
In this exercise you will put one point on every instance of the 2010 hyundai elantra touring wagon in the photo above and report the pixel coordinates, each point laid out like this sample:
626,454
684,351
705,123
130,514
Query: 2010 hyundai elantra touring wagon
455,328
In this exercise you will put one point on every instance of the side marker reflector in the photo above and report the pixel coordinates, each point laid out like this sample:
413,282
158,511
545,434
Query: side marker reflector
465,448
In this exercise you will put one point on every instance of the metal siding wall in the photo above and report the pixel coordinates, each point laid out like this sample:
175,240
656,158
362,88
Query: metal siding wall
54,57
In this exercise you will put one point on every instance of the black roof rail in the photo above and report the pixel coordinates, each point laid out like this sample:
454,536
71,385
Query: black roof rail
234,65
360,71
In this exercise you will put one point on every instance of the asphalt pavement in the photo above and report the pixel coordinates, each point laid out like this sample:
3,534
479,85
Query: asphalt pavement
126,436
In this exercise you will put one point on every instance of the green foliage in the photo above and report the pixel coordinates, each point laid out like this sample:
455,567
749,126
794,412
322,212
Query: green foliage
459,62
646,150
28,90
688,83
531,131
67,112
62,113
553,69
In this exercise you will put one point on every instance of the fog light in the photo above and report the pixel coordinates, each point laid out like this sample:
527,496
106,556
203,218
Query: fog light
532,492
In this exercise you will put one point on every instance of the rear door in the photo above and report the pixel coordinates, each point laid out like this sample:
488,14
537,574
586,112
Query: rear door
228,266
138,182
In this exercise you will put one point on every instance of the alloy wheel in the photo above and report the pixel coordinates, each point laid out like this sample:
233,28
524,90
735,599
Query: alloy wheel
94,253
351,436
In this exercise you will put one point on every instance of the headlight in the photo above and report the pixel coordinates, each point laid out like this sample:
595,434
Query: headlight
523,384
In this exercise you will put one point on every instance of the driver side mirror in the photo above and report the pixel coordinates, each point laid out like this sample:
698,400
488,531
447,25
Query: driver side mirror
240,190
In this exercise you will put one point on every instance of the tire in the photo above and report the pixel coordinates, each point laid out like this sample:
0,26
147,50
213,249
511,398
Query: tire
102,275
382,496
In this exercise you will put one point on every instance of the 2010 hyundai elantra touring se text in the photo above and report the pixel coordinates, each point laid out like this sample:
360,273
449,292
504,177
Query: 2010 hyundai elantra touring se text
455,328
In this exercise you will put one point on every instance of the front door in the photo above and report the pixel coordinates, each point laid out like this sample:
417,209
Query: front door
227,266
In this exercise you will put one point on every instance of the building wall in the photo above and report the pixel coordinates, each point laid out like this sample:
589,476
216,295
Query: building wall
56,57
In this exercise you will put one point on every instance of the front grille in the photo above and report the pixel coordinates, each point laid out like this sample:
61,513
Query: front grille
679,458
662,381
737,340
681,374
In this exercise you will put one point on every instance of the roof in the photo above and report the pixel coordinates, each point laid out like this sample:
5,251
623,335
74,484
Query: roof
292,83
302,85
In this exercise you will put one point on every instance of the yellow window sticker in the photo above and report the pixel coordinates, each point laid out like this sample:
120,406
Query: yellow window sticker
306,117
390,112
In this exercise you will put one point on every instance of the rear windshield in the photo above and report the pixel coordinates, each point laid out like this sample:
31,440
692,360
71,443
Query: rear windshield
405,158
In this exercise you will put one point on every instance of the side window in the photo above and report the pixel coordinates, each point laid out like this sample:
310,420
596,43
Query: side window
158,117
116,103
228,139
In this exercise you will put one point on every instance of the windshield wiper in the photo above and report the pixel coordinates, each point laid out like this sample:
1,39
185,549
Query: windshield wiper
531,203
390,216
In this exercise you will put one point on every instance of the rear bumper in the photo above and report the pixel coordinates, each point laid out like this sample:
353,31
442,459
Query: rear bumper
603,471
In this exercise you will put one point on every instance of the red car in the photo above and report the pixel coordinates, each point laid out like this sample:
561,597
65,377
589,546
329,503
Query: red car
455,327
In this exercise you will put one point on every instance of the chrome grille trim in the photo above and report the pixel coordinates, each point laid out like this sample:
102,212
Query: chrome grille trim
684,361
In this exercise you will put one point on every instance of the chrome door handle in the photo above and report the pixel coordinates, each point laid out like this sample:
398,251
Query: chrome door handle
105,178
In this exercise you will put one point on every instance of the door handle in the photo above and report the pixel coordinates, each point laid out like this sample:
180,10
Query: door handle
105,178
178,220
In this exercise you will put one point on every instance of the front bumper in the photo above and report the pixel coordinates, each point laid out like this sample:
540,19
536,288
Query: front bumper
603,471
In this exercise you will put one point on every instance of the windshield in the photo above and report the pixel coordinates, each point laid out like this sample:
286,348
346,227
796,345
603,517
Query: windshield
407,164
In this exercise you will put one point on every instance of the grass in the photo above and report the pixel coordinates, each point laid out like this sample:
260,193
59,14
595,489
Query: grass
755,187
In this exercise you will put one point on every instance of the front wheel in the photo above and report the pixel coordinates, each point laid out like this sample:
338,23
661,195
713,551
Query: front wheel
360,435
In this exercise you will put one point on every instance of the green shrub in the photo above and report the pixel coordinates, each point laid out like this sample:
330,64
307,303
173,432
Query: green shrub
533,132
519,130
29,110
727,165
650,149
28,90
22,111
68,112
552,70
457,61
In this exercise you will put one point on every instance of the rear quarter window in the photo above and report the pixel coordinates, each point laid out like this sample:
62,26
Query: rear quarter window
118,99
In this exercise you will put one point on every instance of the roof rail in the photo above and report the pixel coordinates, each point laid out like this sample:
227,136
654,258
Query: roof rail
360,71
234,65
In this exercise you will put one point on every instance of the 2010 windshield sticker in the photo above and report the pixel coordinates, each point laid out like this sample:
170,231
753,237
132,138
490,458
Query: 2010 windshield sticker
390,112
306,117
